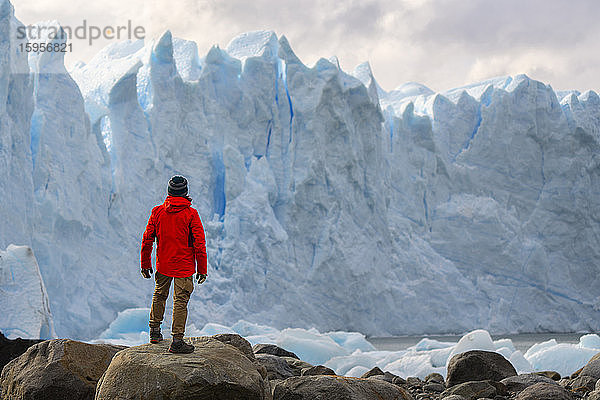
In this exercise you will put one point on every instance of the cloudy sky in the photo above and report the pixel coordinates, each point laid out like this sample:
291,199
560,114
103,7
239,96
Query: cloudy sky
440,43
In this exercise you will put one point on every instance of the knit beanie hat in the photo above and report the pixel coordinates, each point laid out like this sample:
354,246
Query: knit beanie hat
178,186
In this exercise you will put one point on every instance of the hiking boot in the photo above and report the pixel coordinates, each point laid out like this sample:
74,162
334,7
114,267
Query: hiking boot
180,347
155,335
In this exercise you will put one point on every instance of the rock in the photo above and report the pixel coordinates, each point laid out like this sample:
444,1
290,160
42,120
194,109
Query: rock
398,380
56,369
296,365
214,370
471,390
337,388
453,397
555,376
413,381
372,372
434,387
519,383
389,377
273,350
592,368
11,349
318,370
277,368
238,342
544,391
595,395
478,365
597,389
583,384
434,377
576,373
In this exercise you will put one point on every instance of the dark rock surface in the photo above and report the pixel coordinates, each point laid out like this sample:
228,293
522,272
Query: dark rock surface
214,370
544,391
277,368
471,390
11,349
519,383
324,387
273,350
238,342
372,372
555,376
478,365
56,369
592,368
296,365
317,370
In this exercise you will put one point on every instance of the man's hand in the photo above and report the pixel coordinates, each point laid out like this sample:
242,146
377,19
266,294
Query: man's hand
200,278
146,273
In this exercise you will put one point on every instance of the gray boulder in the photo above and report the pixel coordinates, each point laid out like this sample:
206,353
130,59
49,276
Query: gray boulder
272,349
592,368
453,397
471,390
337,388
478,365
214,370
519,383
276,367
56,369
434,377
544,391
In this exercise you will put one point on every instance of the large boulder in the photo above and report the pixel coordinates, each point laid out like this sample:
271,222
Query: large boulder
519,383
214,370
11,349
544,391
592,368
478,365
56,369
337,388
267,348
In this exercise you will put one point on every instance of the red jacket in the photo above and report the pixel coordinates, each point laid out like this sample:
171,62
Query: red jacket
179,236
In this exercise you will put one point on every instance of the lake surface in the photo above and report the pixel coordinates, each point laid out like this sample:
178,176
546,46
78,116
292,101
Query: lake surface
522,341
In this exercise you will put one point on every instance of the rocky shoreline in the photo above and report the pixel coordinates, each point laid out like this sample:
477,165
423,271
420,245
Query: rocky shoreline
226,367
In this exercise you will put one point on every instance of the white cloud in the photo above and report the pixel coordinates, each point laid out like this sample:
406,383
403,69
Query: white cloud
441,43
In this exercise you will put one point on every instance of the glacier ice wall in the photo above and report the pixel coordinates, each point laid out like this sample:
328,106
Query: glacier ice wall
23,296
326,200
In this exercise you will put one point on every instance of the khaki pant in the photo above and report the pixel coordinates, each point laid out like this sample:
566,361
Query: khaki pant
181,295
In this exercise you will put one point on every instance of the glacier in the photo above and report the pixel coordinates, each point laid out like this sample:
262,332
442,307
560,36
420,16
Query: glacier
327,201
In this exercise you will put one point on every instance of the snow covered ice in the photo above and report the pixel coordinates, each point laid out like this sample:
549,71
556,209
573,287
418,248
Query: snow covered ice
327,201
350,354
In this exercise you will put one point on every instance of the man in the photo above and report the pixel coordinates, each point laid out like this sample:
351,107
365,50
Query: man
181,249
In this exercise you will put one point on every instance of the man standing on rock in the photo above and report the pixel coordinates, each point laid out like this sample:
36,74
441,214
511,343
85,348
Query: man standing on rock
181,248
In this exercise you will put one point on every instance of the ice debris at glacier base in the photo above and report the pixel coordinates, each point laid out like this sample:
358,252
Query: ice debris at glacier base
327,201
350,354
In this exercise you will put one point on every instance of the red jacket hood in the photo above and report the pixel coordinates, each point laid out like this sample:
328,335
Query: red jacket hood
175,204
